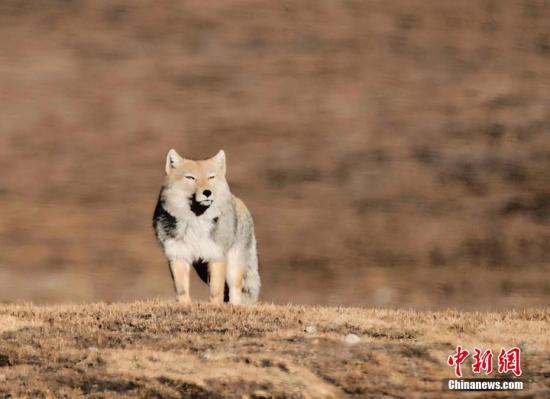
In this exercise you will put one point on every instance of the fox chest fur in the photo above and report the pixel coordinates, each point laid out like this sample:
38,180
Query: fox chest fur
189,236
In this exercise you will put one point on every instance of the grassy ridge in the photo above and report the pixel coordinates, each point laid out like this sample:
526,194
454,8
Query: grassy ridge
161,349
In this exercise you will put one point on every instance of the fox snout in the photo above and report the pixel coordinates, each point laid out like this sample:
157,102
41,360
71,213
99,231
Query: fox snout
204,195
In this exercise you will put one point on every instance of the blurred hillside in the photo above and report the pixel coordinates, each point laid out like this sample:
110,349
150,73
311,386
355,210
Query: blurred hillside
392,153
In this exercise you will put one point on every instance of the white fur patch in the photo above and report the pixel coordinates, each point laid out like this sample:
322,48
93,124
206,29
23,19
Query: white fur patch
193,241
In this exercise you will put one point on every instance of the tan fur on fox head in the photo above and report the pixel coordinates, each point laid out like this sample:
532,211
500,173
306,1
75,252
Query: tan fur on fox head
203,181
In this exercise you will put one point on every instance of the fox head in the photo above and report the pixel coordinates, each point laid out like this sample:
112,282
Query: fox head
202,182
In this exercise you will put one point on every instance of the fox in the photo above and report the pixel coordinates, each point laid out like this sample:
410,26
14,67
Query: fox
199,223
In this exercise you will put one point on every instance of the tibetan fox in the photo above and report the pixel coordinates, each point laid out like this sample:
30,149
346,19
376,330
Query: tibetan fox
199,223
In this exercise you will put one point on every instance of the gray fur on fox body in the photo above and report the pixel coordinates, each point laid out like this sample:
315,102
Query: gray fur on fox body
199,223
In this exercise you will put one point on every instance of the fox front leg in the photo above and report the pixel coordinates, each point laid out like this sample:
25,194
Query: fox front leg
180,275
235,279
217,280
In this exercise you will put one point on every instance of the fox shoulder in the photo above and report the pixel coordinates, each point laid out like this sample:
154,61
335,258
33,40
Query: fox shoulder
240,207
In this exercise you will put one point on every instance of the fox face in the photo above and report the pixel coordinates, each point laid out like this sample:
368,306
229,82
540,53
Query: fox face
203,183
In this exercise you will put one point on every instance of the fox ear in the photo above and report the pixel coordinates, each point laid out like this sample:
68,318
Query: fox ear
173,159
219,158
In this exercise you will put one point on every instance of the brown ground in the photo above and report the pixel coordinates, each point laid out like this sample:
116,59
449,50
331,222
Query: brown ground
159,349
403,143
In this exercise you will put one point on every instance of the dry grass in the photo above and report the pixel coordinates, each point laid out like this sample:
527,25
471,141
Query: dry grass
160,349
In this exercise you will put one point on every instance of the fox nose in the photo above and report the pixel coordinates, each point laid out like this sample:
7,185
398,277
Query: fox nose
207,193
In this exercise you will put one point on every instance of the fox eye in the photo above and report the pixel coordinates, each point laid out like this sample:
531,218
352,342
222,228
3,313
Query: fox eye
190,177
211,177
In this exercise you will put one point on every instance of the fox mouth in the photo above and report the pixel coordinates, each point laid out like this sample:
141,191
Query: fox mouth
199,207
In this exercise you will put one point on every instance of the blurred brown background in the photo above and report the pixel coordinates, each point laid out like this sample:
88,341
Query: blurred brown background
393,153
